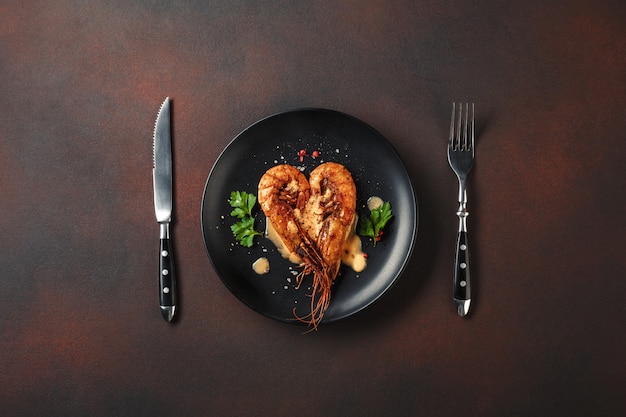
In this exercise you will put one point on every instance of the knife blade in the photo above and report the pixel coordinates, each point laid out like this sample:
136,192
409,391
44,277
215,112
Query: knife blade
162,181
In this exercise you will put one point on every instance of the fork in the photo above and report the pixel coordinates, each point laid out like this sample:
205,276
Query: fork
461,160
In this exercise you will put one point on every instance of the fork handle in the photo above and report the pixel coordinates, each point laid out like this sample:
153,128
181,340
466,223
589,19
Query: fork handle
462,287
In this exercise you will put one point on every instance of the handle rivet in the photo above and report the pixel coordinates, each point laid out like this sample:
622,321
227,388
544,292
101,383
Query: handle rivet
166,290
463,283
165,272
463,265
463,247
164,253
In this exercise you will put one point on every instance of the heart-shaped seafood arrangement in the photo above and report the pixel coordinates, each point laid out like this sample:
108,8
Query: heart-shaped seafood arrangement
313,219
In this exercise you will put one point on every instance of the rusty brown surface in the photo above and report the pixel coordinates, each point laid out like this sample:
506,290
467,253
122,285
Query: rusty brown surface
80,84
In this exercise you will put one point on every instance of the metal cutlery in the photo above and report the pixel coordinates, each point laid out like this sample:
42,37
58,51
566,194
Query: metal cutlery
461,159
162,180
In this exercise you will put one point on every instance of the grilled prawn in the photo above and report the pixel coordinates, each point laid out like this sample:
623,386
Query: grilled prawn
283,194
330,211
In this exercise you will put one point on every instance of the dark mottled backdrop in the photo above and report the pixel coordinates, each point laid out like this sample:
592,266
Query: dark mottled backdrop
80,84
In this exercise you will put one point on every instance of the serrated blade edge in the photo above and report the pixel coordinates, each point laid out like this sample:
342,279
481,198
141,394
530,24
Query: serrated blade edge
162,164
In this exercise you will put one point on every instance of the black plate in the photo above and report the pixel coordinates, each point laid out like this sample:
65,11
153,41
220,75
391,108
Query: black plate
377,171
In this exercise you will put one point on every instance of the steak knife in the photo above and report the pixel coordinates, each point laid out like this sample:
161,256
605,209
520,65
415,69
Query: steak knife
162,180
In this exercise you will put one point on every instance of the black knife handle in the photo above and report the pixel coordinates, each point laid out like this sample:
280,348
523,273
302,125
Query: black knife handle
167,277
462,287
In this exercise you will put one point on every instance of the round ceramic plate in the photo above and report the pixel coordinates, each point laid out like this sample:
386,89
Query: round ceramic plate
377,171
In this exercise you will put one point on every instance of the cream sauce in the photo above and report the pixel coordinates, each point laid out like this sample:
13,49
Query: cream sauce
261,266
374,203
353,255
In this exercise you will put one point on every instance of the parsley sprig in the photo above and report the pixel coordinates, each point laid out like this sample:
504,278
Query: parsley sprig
243,230
372,225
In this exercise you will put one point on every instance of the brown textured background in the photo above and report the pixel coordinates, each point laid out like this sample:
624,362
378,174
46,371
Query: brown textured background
80,85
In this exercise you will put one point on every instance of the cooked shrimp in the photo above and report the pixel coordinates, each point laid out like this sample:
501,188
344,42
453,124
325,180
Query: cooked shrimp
283,193
313,221
330,211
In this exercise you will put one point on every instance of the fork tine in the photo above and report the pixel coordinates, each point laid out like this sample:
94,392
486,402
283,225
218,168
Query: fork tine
451,138
459,126
472,130
463,127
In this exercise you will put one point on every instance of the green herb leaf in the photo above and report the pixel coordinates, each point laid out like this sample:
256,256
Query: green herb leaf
366,227
372,225
244,231
243,203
